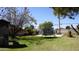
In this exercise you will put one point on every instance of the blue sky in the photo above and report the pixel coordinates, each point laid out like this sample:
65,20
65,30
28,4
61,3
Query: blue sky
42,14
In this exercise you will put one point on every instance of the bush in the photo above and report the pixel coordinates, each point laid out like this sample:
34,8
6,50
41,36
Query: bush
69,34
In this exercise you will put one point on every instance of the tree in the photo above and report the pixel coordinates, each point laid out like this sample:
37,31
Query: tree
30,29
77,27
62,12
46,27
57,12
75,30
18,17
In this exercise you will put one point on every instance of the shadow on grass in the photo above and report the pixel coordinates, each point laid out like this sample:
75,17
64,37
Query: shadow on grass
15,45
50,37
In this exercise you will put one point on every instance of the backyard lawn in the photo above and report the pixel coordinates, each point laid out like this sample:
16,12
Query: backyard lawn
35,43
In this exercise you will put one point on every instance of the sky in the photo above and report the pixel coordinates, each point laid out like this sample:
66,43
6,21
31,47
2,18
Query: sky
42,14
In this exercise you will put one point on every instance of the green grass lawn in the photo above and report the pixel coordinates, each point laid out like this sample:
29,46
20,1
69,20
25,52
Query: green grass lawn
46,44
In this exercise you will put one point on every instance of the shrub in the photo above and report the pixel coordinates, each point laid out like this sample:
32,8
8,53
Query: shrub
69,34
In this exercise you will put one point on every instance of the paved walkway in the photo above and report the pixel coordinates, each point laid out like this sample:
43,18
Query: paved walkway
56,35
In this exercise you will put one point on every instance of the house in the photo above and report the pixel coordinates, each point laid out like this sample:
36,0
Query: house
4,31
64,31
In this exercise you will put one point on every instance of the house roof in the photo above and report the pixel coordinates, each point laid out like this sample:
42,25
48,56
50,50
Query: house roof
3,18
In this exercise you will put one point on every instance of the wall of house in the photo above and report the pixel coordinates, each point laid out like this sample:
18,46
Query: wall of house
4,33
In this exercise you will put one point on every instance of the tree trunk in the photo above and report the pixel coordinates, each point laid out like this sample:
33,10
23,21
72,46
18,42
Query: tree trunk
75,30
59,25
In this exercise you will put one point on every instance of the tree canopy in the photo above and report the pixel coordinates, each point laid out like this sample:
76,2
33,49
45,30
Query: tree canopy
47,28
18,16
46,25
70,12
